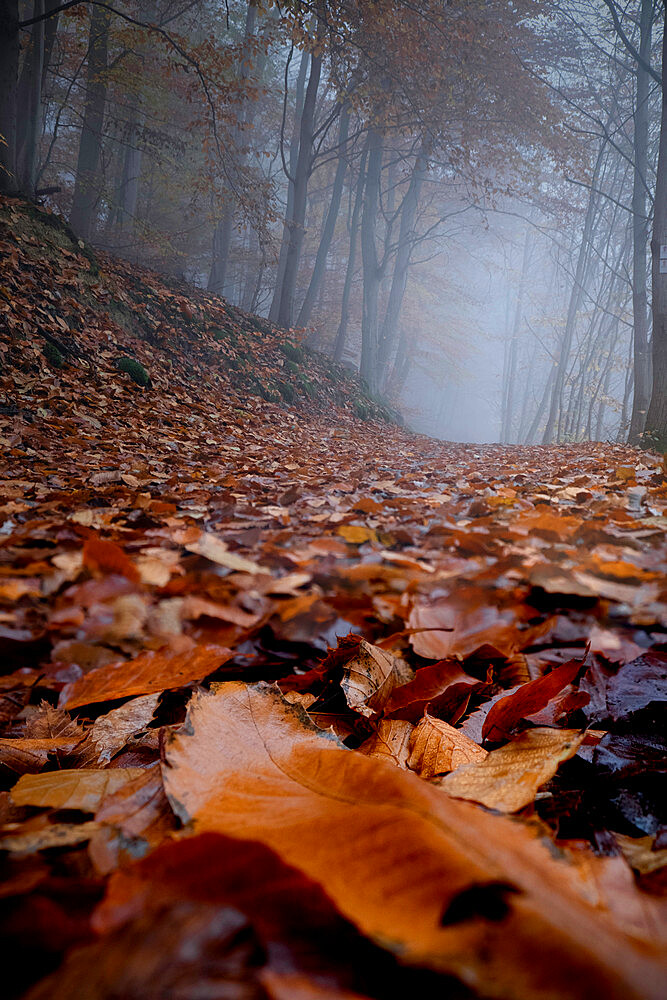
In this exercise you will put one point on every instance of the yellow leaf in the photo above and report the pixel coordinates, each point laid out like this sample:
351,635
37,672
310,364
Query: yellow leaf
357,534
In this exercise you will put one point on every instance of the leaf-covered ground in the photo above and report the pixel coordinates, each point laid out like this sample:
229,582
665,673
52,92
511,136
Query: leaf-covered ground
296,704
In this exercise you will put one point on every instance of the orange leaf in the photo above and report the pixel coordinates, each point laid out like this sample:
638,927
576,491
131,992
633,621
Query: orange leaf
395,854
436,747
146,674
107,557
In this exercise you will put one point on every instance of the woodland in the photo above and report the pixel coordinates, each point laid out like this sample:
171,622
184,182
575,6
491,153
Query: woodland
333,497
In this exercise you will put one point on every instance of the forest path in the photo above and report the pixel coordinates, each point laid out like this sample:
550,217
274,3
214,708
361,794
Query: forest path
156,541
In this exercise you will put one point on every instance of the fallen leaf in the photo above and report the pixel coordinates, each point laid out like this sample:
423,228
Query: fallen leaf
146,674
213,548
506,713
508,778
390,741
394,853
356,534
369,678
71,789
49,837
436,747
111,731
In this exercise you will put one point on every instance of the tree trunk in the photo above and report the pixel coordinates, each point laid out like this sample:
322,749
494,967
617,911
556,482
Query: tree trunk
341,334
511,367
9,70
90,146
371,268
387,338
289,208
29,119
640,232
573,309
330,221
656,420
222,235
296,225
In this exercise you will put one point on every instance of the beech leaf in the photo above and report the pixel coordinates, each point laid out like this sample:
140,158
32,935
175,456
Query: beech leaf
508,778
393,852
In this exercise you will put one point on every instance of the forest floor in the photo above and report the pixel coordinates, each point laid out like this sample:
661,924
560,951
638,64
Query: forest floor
294,703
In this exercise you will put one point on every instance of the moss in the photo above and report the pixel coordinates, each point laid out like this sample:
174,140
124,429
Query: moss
53,355
134,369
292,352
291,367
362,409
286,391
307,387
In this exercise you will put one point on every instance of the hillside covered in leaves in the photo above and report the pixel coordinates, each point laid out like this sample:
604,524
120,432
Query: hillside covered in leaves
296,704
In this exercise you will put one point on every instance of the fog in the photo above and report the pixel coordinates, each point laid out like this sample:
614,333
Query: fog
453,200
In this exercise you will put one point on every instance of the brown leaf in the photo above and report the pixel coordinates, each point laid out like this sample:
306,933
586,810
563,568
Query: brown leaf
437,684
508,779
71,789
370,677
395,854
436,747
147,673
110,732
390,742
527,699
108,557
48,837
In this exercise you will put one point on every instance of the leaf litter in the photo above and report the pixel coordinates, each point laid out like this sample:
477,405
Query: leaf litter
273,679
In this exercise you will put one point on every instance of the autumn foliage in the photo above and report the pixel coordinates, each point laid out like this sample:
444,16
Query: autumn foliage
300,706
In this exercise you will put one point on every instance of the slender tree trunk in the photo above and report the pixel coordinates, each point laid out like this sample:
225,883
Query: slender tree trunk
573,309
531,436
408,213
289,208
29,124
9,70
222,235
656,420
371,268
330,221
516,327
301,176
341,335
87,169
640,232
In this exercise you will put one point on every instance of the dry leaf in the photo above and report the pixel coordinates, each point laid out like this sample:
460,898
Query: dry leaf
395,854
110,732
528,698
48,837
71,789
370,676
436,747
213,548
390,742
147,673
508,778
